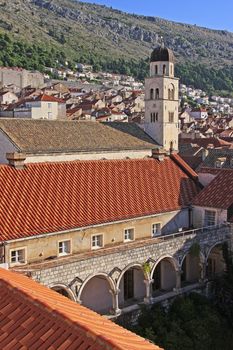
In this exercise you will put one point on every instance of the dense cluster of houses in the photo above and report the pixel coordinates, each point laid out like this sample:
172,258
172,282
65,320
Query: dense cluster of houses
129,210
59,101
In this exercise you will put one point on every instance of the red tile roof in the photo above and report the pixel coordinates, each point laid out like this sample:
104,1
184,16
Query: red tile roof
33,316
219,193
184,166
205,142
48,98
50,197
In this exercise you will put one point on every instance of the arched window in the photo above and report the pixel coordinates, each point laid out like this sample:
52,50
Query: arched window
157,94
156,69
171,92
171,146
164,69
151,94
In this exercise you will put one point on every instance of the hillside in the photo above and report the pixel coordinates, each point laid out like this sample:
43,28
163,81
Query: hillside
40,32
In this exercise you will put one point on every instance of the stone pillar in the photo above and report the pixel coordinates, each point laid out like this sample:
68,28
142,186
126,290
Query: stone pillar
203,267
148,283
178,280
115,302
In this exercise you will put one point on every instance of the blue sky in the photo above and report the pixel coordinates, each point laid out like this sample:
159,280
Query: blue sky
207,13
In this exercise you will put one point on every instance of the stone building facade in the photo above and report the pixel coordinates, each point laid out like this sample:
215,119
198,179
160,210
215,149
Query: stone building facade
21,77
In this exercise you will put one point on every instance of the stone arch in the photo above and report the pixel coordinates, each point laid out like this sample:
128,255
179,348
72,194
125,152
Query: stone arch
63,290
215,264
202,258
171,92
95,292
130,284
164,274
191,267
212,247
170,258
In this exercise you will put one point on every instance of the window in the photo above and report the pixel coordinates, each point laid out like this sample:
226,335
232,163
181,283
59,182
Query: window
156,230
157,94
156,69
164,69
209,218
171,92
151,94
49,115
64,247
18,256
152,117
97,241
49,105
157,116
129,234
171,117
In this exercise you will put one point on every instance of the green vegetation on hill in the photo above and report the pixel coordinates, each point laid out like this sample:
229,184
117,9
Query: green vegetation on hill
40,32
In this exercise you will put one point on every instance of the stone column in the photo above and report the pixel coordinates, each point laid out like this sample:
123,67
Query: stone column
148,283
115,302
178,280
203,266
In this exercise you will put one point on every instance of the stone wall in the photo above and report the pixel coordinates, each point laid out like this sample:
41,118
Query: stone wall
111,264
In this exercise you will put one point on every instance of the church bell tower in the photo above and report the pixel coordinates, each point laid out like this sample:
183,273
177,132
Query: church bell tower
162,100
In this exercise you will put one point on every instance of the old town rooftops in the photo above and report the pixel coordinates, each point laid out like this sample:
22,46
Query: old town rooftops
45,136
53,197
36,317
219,193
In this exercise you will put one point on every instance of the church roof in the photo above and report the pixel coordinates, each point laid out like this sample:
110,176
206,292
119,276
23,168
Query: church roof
52,197
45,136
33,316
163,54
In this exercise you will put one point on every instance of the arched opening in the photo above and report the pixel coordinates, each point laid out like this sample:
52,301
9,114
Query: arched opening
95,294
215,262
171,92
164,277
151,94
164,69
191,272
132,286
157,94
156,69
171,146
63,290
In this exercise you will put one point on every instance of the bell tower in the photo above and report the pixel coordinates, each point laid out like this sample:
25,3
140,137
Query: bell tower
162,100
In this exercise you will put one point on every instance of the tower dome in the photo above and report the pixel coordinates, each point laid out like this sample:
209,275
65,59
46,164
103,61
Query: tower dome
163,54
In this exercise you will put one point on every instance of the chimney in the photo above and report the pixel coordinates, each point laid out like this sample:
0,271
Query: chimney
159,153
16,160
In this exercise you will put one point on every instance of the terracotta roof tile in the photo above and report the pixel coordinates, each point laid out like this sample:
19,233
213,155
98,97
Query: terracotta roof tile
50,197
219,193
35,317
45,136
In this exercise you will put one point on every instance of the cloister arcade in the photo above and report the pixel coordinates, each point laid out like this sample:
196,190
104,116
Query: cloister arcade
105,294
